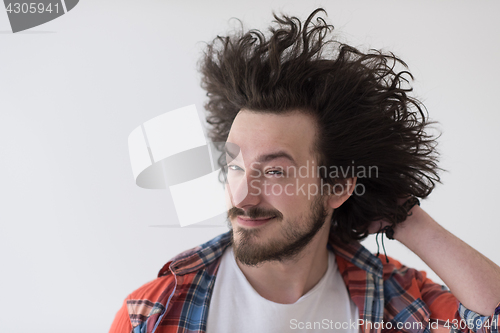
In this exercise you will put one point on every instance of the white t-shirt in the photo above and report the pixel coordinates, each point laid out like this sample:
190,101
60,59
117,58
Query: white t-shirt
236,307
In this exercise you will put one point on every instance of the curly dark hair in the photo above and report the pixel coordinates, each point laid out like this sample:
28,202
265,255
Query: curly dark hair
364,114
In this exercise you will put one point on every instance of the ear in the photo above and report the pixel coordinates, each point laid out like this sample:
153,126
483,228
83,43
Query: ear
341,191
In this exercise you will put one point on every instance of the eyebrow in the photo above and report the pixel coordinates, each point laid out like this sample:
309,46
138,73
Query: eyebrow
268,157
272,156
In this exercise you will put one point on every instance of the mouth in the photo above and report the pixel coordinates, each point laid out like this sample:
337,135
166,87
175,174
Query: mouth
247,222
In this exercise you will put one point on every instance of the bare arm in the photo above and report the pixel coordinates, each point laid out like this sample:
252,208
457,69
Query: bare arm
471,277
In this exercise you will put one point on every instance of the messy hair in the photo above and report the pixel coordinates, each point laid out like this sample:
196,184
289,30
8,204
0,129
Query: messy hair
364,114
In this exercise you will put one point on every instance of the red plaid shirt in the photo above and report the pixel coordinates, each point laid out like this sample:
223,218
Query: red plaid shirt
390,296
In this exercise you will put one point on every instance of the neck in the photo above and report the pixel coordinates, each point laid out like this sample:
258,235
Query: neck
285,282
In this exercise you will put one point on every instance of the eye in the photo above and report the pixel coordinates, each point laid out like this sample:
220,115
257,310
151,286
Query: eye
275,172
234,167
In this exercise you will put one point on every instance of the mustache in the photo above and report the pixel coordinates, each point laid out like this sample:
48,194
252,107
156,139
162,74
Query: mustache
254,213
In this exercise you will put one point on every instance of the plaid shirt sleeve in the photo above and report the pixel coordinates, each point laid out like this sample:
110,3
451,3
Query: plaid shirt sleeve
471,321
121,323
143,304
448,314
444,311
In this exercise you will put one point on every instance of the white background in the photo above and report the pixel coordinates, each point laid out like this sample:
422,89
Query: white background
76,233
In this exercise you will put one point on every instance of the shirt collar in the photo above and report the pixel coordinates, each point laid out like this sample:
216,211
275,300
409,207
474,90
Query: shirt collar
357,255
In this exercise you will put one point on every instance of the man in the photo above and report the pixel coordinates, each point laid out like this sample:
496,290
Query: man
323,146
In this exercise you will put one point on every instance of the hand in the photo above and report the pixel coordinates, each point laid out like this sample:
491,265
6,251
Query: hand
378,225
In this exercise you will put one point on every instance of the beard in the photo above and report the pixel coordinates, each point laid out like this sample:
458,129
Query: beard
249,252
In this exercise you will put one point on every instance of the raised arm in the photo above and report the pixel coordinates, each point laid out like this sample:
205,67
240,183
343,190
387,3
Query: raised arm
470,276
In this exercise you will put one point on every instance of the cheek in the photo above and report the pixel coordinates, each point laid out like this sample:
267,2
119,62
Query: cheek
296,190
287,200
228,200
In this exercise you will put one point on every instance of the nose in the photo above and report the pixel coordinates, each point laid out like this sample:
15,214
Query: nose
244,191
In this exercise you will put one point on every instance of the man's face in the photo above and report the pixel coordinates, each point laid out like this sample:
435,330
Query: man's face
274,199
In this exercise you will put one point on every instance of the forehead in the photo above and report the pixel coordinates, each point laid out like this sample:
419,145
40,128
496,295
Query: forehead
259,133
